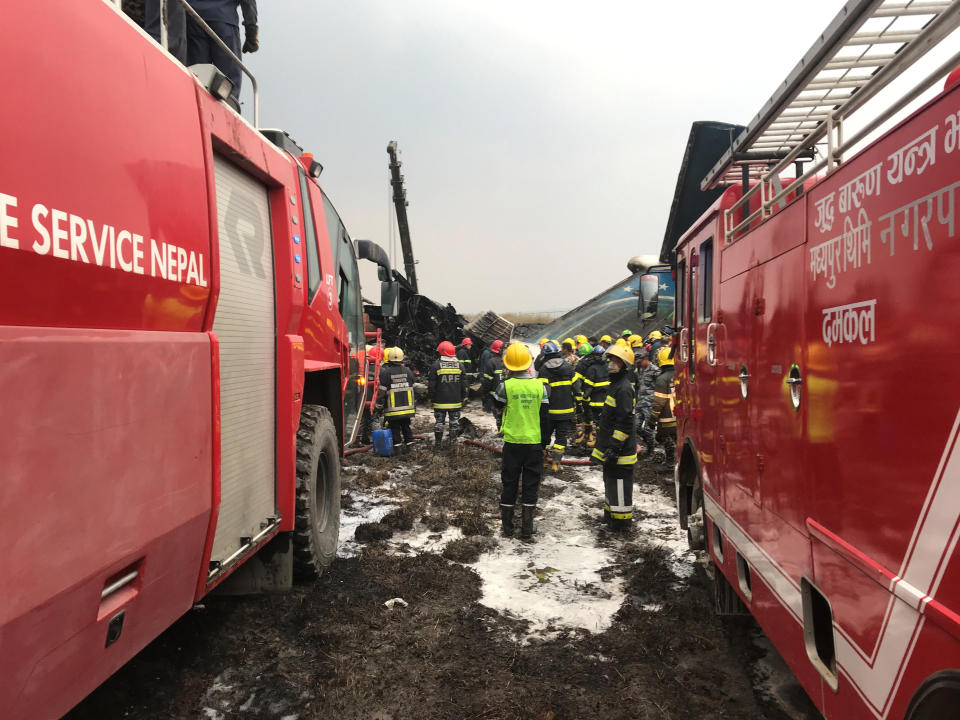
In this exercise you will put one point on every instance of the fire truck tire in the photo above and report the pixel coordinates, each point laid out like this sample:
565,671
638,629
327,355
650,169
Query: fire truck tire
318,494
697,525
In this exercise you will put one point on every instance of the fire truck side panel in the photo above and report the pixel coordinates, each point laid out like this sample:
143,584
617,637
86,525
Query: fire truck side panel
881,458
137,502
245,327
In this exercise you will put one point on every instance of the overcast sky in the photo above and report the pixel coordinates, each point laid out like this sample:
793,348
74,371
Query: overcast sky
541,139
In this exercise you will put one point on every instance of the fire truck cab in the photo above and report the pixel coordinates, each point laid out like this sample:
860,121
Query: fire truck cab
817,383
182,350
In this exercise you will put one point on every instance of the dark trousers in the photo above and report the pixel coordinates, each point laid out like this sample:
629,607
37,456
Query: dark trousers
559,429
202,49
618,490
525,461
400,427
589,412
440,416
176,26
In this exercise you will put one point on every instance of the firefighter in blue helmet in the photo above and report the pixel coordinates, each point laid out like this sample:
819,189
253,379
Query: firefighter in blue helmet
558,420
616,446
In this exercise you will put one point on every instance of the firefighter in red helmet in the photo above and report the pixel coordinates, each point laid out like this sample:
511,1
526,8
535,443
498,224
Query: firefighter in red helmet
447,386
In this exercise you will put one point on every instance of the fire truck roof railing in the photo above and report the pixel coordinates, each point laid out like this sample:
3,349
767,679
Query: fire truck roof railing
866,46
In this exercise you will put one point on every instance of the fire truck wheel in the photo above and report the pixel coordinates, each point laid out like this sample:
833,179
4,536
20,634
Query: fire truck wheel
318,493
697,526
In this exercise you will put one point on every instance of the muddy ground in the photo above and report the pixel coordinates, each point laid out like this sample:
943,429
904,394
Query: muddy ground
336,650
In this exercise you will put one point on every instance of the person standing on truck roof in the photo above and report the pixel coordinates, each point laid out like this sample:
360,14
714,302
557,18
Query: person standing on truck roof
492,375
222,17
661,414
447,386
176,26
591,381
396,397
465,357
558,420
616,446
647,373
521,395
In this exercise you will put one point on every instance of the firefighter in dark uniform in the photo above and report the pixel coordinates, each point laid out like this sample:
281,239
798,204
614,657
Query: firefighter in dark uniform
486,399
447,386
465,356
616,446
395,398
591,381
662,412
521,395
580,435
558,420
647,373
492,375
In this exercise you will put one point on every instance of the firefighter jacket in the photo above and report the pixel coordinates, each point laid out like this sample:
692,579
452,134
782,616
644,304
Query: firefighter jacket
559,376
617,435
396,390
463,355
447,384
647,378
523,396
663,399
592,380
492,373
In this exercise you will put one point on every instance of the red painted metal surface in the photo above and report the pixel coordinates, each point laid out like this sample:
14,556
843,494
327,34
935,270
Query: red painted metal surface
854,491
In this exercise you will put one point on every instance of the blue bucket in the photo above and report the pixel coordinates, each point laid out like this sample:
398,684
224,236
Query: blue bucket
383,443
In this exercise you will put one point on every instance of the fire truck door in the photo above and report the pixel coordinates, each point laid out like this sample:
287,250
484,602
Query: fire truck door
777,410
245,327
736,469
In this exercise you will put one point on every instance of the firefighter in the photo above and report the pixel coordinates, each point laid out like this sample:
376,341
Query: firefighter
635,342
558,421
655,341
538,361
579,438
395,398
626,333
605,342
492,375
661,414
447,386
485,398
616,446
521,396
647,373
591,382
568,350
176,26
221,16
580,340
465,356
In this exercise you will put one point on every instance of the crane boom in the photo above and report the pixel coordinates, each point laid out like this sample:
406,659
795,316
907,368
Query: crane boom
400,203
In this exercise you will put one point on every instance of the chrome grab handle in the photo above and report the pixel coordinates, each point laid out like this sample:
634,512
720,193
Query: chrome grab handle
712,344
684,350
744,375
794,381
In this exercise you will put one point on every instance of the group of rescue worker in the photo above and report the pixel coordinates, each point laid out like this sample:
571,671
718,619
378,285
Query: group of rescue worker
599,394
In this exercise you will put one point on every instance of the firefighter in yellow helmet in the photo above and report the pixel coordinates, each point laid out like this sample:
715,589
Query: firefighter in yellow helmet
661,416
521,395
605,341
396,397
568,349
616,446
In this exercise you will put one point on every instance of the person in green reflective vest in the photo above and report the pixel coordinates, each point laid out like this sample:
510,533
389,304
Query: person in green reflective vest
521,395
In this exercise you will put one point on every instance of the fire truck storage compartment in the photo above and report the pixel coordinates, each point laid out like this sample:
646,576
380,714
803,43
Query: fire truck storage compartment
245,327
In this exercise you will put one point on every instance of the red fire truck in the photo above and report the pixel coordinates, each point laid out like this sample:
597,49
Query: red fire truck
817,381
182,350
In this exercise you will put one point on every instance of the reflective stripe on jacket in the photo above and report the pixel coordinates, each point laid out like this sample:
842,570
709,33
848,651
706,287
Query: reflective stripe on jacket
446,384
617,434
396,390
559,376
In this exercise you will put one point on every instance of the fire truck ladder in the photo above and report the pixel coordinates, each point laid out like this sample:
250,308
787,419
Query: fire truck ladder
866,46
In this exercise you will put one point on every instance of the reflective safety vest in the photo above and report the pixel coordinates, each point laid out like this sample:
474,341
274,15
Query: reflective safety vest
521,417
397,382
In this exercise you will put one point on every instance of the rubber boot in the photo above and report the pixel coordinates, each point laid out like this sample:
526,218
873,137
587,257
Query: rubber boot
506,520
578,436
555,457
591,433
526,522
437,439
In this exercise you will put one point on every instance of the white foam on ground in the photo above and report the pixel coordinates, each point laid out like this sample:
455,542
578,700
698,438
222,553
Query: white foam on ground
554,583
364,509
